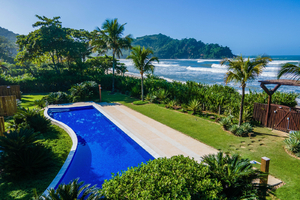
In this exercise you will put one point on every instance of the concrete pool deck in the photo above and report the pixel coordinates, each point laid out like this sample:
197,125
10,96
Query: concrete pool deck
165,141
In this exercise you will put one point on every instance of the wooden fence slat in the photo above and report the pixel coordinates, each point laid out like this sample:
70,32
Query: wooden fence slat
7,90
8,105
2,126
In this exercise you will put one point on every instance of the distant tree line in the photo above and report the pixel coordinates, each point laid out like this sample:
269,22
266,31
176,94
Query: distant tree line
165,47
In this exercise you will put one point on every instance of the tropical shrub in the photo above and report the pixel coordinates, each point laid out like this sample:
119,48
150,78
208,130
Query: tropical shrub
54,98
42,103
235,174
83,91
226,122
194,106
293,142
72,190
31,119
177,177
21,155
171,104
242,130
140,102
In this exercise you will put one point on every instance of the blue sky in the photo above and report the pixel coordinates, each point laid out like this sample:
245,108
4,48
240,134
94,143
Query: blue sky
248,27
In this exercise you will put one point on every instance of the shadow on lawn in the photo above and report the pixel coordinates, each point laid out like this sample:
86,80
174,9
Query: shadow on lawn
267,134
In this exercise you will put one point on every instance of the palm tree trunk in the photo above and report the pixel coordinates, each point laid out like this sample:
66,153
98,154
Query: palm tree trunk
113,82
142,86
242,104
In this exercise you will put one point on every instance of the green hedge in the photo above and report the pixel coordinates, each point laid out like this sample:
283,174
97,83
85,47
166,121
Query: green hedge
178,177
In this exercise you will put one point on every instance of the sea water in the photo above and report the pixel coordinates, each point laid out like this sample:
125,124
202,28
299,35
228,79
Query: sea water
210,71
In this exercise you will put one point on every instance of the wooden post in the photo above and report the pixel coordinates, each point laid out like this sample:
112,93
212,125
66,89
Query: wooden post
264,167
268,110
100,91
2,126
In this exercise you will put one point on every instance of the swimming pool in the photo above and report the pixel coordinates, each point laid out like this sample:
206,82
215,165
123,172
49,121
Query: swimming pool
102,149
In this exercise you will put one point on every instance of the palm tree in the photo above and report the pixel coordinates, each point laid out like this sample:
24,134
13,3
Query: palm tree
142,62
292,71
111,39
241,70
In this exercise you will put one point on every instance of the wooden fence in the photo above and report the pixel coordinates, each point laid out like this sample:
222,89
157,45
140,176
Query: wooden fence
7,90
2,126
8,105
281,117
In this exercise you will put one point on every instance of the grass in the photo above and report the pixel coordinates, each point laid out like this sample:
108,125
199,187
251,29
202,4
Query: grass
60,143
265,143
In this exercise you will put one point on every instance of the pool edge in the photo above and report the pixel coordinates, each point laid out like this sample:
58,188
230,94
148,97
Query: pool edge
69,159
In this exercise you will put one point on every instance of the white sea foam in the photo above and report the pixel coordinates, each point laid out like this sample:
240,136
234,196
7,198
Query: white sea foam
282,62
208,60
202,69
219,66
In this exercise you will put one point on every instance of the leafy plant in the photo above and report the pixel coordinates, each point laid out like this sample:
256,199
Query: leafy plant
161,94
42,103
21,155
235,173
83,91
140,102
73,190
55,98
31,118
194,106
171,104
177,177
293,142
226,122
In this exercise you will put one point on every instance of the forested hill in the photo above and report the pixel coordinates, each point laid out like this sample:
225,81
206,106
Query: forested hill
165,47
8,34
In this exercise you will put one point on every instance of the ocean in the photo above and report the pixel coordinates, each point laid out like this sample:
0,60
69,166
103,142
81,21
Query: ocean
209,71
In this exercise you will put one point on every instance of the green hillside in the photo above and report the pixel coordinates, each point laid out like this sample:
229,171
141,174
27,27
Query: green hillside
165,47
8,34
8,47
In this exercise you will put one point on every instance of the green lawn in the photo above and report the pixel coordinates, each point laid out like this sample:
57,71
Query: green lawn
265,143
60,143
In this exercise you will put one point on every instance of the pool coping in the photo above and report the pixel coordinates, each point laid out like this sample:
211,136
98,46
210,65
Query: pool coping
74,138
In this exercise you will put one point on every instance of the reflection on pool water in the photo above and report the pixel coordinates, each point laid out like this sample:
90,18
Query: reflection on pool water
103,148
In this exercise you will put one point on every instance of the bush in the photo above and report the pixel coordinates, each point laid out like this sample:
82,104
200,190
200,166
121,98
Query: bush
21,155
83,91
73,190
140,102
293,142
178,177
236,175
31,118
226,122
242,130
55,98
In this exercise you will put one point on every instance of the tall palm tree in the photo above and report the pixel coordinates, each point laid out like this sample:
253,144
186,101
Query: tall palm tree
111,39
292,71
142,62
241,70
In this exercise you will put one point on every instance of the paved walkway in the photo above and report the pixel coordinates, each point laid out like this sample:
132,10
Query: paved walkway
164,140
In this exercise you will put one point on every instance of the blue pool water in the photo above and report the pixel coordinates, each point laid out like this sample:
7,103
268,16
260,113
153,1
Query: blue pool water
103,148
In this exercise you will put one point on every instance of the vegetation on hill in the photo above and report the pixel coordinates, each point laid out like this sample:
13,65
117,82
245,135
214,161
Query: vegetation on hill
165,47
8,34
